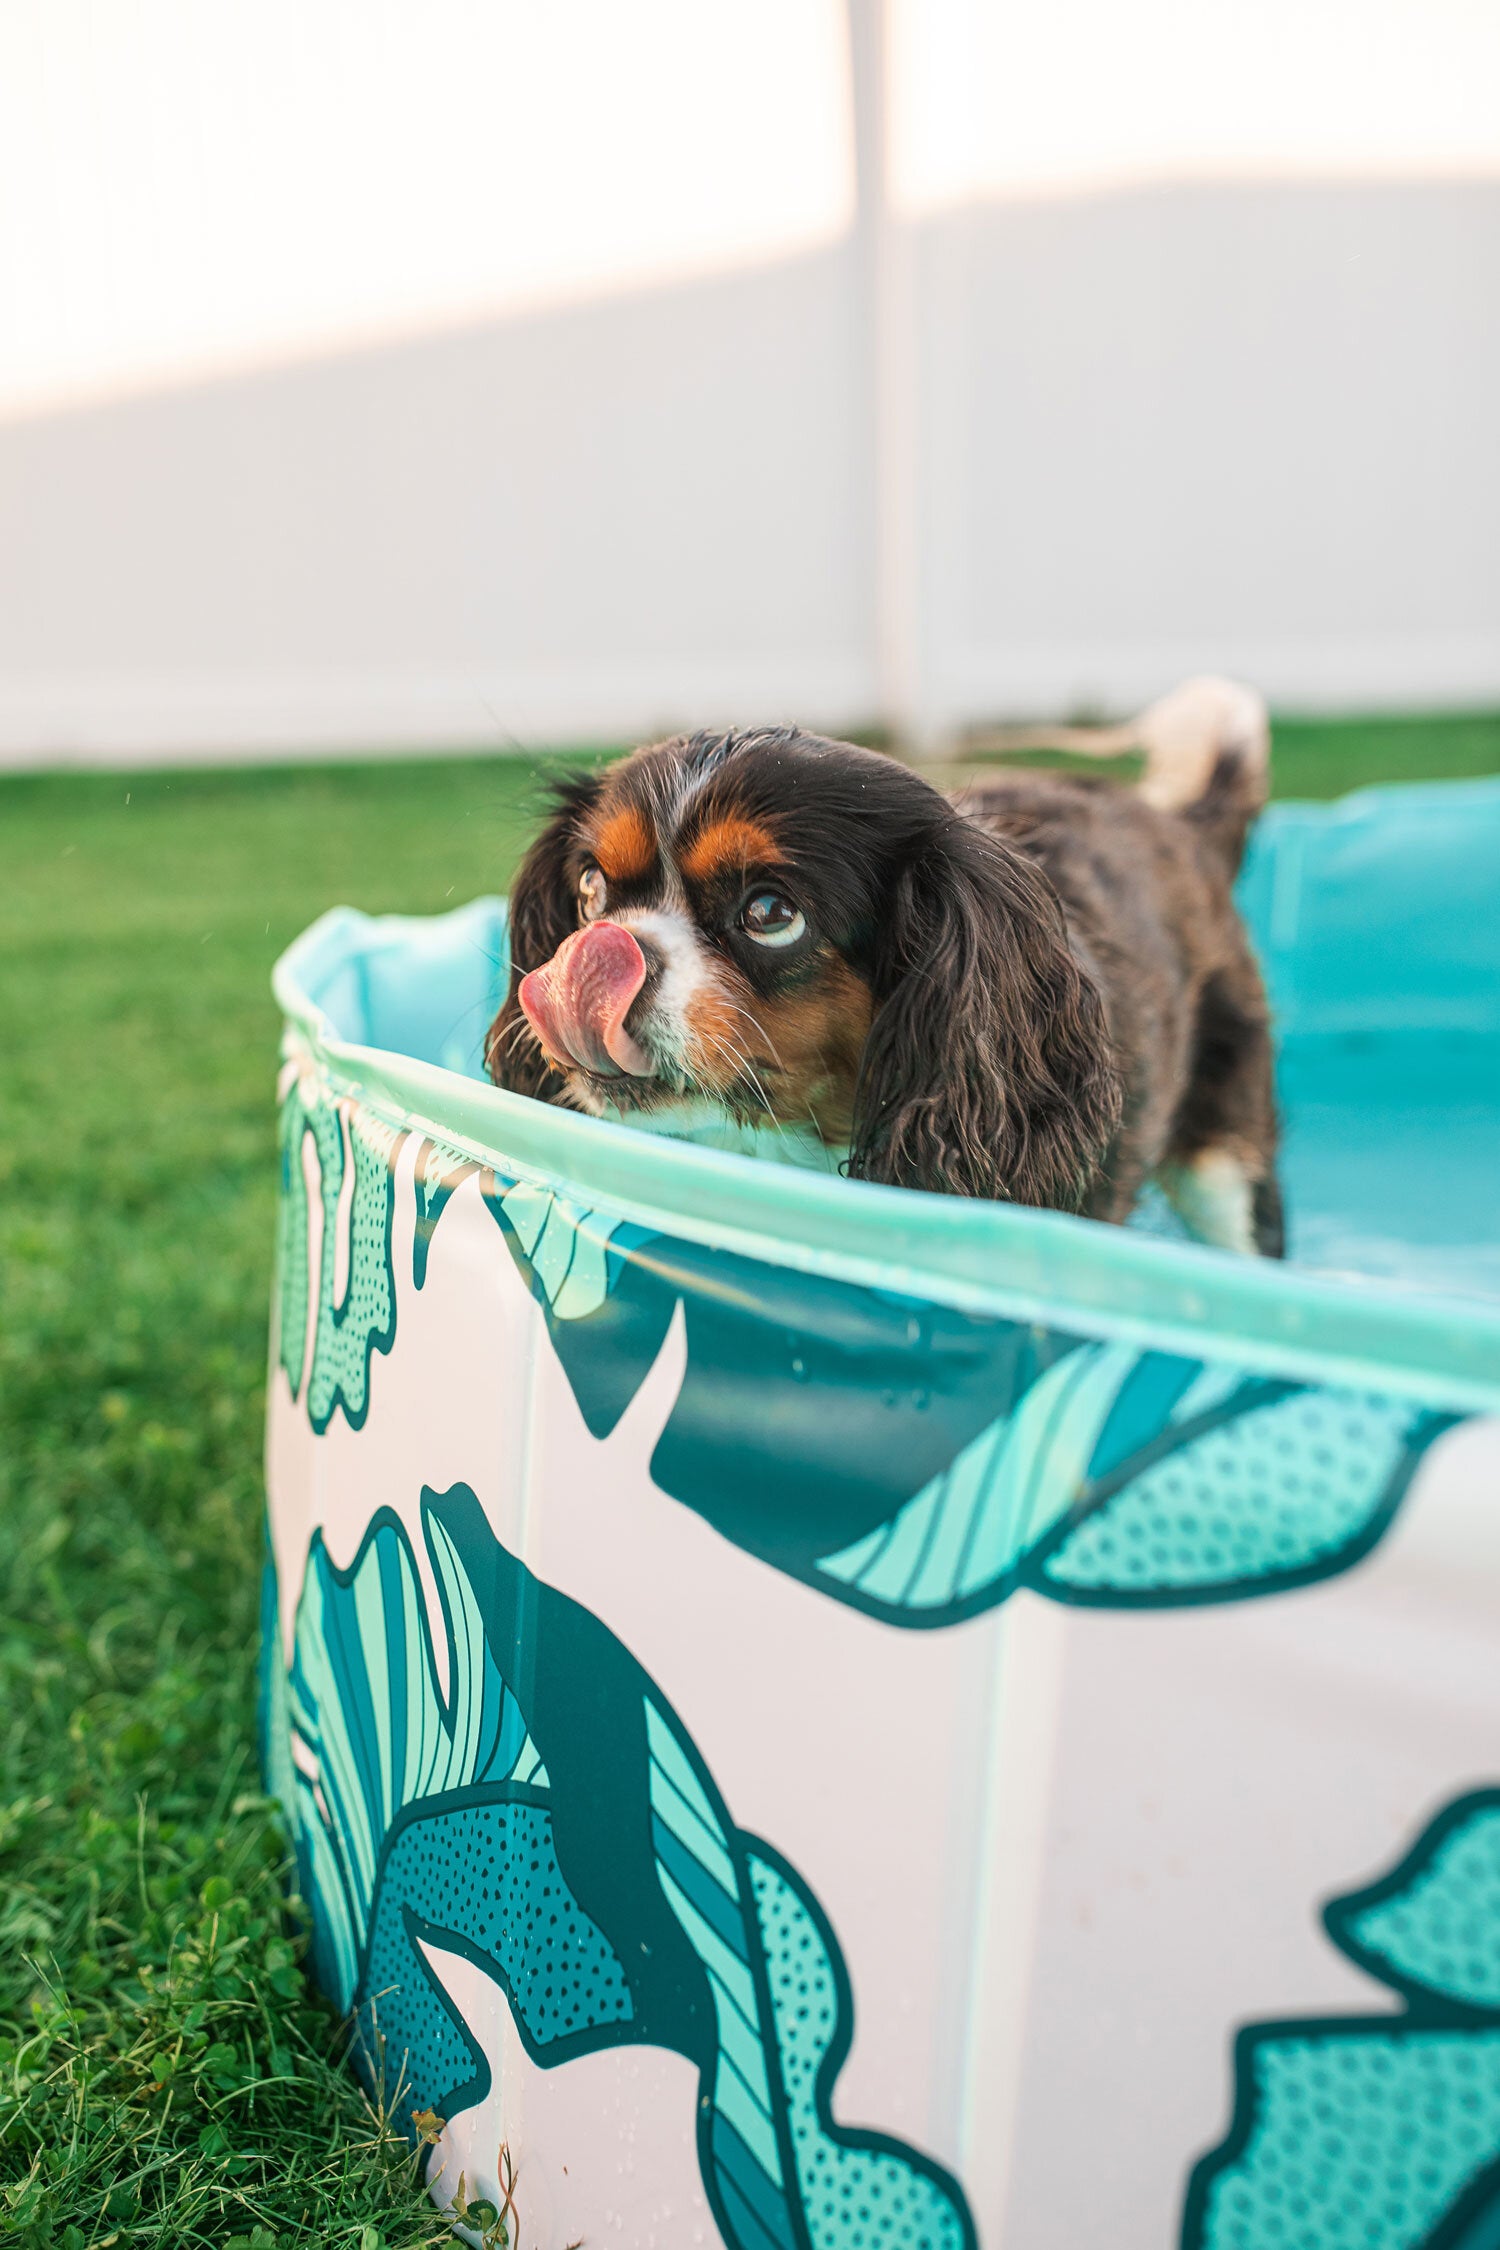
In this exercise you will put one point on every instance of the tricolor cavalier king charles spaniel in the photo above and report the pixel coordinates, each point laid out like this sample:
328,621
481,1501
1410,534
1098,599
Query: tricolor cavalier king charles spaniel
1039,991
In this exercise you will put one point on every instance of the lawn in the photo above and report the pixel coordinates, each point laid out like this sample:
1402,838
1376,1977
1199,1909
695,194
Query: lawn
166,2078
163,2078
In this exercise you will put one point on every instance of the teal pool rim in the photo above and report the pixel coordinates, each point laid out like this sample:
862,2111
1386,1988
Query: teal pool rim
987,1258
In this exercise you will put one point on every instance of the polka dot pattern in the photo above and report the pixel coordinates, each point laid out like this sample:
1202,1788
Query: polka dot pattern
291,1244
489,1872
1274,1490
347,1332
1359,2142
1441,1933
857,2194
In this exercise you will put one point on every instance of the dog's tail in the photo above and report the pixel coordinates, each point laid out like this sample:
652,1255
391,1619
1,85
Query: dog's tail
1208,756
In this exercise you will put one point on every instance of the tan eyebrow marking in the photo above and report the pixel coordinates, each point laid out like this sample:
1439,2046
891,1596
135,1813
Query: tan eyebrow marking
625,845
726,846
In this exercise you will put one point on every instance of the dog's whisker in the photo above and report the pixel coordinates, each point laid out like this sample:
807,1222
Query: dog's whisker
757,1026
741,1063
745,1074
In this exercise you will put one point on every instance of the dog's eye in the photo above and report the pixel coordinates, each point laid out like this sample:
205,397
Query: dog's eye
592,891
772,920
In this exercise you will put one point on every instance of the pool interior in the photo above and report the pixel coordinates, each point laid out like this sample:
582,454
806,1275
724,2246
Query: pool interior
1376,922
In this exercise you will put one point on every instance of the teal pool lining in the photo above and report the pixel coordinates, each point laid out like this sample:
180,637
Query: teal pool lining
1002,1260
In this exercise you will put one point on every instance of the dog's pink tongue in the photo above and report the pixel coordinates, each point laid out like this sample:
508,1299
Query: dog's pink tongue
577,1002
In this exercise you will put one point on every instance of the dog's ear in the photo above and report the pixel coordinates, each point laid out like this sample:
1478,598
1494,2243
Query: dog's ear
543,911
988,1068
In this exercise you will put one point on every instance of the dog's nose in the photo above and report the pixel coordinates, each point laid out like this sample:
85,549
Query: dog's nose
577,1002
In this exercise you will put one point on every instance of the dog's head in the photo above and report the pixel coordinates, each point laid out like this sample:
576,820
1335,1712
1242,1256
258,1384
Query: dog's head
807,933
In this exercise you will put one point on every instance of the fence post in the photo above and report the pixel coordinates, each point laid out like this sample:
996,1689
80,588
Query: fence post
888,317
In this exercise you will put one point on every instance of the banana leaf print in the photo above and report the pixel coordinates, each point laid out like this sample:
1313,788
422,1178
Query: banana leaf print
438,1171
920,1463
1379,2132
570,1841
906,1458
355,1156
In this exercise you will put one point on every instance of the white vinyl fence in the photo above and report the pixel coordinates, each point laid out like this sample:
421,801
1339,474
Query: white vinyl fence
940,461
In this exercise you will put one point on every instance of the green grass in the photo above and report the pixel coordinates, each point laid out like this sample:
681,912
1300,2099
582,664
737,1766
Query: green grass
166,2078
1313,758
1324,758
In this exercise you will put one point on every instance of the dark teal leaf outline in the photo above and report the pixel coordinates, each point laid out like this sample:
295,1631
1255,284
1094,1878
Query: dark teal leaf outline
1033,1569
294,1133
460,1501
1427,1426
1341,1914
1472,2219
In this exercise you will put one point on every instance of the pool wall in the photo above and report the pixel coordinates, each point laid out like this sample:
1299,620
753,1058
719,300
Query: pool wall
817,1716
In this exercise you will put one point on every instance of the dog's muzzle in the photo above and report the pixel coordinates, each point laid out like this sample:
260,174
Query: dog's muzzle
577,1002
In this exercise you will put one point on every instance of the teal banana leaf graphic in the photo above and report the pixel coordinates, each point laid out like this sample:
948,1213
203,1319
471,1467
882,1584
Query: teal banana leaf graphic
439,1170
1379,2132
1432,1928
363,1688
960,1457
858,2191
546,1815
565,1244
767,1932
351,1325
1248,1484
903,1457
968,1529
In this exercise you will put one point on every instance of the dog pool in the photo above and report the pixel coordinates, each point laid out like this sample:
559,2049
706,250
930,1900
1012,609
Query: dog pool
818,1715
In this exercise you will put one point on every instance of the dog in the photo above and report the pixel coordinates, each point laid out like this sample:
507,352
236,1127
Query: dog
1038,991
